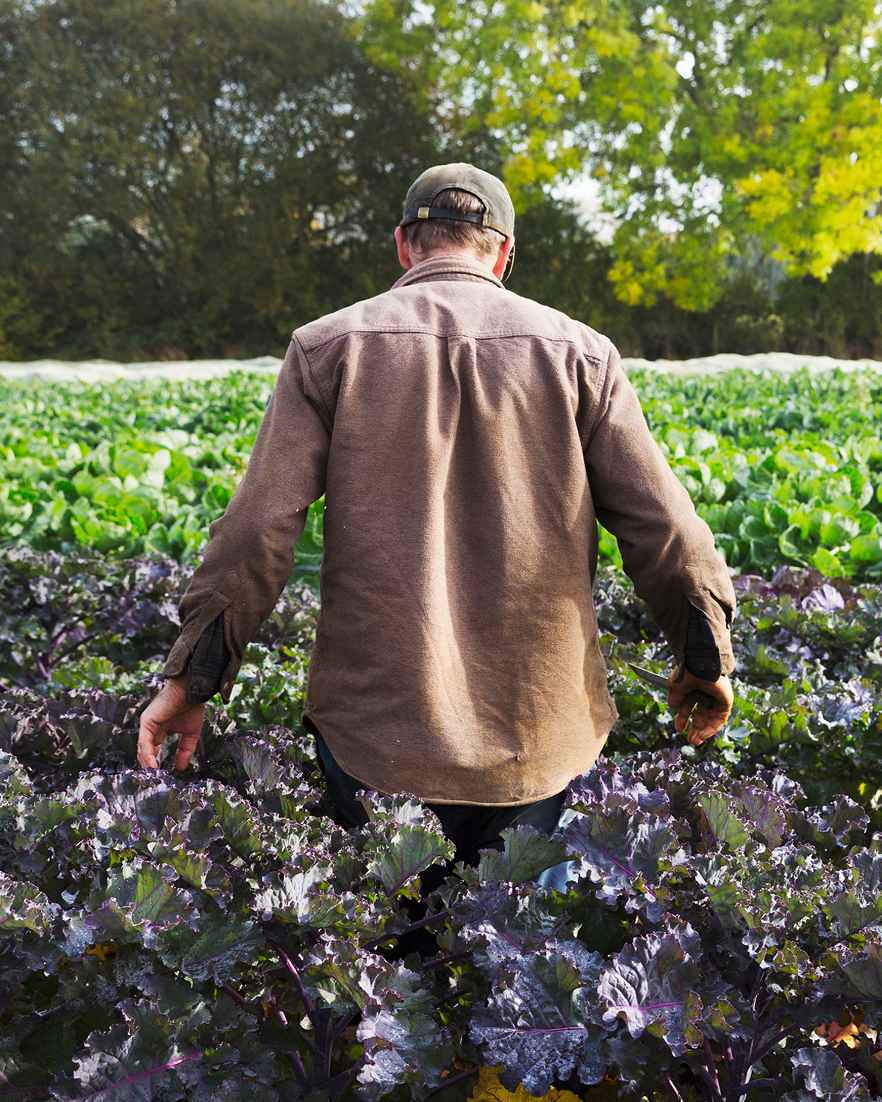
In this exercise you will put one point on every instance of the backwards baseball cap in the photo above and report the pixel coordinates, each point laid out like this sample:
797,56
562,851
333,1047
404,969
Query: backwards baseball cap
498,213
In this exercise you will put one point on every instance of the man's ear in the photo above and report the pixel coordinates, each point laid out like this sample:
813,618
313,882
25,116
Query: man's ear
404,257
502,257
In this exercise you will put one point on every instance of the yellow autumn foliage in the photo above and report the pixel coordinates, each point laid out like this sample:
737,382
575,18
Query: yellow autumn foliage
783,133
103,950
489,1089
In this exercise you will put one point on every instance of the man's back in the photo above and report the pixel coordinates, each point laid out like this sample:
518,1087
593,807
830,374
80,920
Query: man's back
467,440
456,652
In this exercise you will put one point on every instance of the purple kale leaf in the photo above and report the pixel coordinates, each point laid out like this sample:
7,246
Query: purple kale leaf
661,983
622,850
403,1042
526,852
539,1022
825,1077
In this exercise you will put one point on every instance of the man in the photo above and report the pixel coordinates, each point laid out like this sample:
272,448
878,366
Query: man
466,440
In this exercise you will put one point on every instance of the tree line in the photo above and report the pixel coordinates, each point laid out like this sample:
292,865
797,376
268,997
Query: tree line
186,178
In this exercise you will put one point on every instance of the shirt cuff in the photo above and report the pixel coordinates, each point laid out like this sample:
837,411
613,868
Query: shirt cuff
702,656
206,663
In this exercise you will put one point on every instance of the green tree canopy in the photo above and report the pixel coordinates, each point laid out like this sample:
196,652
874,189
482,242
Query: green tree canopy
211,173
708,126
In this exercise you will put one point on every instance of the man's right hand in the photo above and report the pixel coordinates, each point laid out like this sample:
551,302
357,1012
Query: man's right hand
707,720
167,714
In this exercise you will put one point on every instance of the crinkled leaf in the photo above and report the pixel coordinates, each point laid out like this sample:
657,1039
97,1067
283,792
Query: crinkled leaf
24,907
839,823
609,786
215,950
260,765
398,810
38,817
139,902
294,898
238,820
185,845
526,852
825,1077
724,823
537,1023
133,1061
14,780
333,970
862,967
405,852
767,812
654,984
513,916
861,904
621,851
403,1043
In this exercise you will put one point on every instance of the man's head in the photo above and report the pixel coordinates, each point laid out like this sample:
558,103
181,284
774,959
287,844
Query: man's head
457,209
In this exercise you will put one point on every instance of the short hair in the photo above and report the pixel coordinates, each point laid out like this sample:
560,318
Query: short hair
433,234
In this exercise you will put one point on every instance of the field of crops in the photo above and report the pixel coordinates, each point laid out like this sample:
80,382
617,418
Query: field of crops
215,935
783,468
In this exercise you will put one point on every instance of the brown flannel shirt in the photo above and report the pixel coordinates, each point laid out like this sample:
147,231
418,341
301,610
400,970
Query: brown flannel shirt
467,440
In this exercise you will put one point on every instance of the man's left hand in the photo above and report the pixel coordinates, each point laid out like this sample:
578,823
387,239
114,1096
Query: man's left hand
170,714
704,721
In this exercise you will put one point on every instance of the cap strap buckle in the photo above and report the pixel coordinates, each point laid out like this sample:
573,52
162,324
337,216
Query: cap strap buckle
444,214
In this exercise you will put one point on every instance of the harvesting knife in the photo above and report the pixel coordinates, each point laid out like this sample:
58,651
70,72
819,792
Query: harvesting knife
649,677
657,681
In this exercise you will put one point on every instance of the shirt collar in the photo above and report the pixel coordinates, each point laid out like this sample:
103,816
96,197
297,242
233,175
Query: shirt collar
446,267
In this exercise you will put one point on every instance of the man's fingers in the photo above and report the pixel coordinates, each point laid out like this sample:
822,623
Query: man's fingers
702,724
186,745
168,714
701,708
150,737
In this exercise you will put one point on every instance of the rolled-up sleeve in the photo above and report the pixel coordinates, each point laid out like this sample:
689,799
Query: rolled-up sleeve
667,550
250,551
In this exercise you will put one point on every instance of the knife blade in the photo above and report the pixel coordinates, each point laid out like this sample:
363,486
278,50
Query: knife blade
654,679
657,681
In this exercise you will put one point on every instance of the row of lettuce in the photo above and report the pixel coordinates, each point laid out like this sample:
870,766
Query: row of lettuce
785,468
217,935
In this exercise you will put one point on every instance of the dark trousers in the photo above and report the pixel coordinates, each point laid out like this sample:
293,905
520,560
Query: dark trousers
470,827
